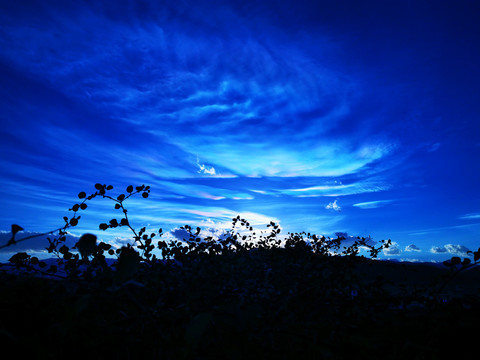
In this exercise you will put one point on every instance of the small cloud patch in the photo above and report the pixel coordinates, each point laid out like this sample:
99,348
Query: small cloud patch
203,169
394,249
412,247
333,206
438,250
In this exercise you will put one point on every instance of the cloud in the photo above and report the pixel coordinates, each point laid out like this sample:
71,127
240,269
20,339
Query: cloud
216,224
279,159
393,249
222,217
372,204
328,189
172,75
204,169
458,250
196,190
438,249
333,206
412,247
349,240
472,216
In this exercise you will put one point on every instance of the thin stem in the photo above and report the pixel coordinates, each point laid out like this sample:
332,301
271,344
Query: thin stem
30,237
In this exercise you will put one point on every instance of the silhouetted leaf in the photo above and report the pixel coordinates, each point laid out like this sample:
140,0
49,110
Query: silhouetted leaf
456,260
63,250
120,197
75,207
109,187
82,195
130,188
145,195
74,221
86,245
124,221
98,186
83,206
16,228
19,258
103,226
117,206
104,246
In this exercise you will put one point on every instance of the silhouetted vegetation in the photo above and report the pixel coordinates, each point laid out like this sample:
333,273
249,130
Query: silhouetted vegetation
244,295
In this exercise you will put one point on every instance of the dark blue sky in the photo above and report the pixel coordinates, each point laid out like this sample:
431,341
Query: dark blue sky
345,116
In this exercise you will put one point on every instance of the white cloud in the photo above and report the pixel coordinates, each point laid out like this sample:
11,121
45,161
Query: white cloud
203,169
438,249
412,247
470,217
372,204
457,249
394,249
336,189
333,206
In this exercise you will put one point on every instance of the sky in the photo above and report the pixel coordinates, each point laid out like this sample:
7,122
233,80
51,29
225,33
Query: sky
354,117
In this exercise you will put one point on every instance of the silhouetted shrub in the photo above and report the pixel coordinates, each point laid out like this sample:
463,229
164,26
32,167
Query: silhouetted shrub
244,295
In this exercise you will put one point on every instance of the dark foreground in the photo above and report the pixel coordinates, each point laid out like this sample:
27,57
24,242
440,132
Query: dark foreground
275,304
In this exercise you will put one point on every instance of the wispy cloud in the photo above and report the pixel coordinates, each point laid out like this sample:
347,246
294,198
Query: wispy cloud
372,204
444,228
229,111
195,190
169,80
359,187
473,216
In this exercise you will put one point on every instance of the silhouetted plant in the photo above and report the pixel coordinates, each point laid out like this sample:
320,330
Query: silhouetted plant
248,293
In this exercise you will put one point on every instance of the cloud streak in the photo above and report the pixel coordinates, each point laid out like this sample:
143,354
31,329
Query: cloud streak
372,204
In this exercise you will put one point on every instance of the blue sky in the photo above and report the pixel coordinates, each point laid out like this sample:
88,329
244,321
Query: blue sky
346,116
